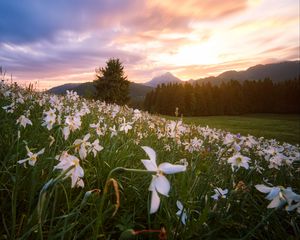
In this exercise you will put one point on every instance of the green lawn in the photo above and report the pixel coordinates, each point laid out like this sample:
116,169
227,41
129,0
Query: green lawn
284,128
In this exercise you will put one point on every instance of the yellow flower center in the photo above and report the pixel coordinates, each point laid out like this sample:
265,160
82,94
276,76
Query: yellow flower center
239,160
33,157
76,162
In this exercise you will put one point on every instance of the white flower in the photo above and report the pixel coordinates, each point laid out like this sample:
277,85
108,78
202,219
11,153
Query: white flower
219,193
10,108
238,161
23,121
159,183
167,147
136,114
66,132
113,131
95,147
181,212
49,118
32,157
76,173
81,145
72,123
278,195
125,126
229,139
99,130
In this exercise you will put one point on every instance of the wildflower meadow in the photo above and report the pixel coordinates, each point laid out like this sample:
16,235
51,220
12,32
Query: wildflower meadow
73,168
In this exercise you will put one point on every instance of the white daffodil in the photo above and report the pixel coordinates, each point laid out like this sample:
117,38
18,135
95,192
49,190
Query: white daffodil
125,126
181,212
95,147
278,195
81,146
238,160
113,131
159,183
136,114
10,108
76,173
49,118
32,157
72,123
98,129
219,193
23,121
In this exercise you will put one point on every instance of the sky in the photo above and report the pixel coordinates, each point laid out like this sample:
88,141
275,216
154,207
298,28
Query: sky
53,42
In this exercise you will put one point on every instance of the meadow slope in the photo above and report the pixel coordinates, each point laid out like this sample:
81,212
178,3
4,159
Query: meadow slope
282,127
78,169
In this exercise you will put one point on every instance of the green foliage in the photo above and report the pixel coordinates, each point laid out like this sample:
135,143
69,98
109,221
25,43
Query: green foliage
112,85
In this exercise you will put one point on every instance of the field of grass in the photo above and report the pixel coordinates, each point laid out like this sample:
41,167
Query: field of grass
71,168
282,127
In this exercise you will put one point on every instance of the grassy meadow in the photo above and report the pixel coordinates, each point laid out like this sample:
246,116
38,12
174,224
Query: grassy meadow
78,169
282,127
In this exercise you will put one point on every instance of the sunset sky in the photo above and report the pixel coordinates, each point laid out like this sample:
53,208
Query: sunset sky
60,41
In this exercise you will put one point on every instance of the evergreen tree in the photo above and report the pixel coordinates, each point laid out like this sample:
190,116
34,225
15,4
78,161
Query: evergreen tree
229,98
111,84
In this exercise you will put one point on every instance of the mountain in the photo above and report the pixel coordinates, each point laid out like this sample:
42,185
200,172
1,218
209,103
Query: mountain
63,88
137,92
165,78
277,72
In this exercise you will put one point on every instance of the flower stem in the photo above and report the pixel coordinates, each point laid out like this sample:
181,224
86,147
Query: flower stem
115,170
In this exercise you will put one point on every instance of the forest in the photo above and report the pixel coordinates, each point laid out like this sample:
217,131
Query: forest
228,98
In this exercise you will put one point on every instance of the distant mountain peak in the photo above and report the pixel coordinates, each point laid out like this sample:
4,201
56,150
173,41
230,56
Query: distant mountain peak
167,74
164,78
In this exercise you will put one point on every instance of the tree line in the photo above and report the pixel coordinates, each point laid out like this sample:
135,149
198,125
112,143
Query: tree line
228,98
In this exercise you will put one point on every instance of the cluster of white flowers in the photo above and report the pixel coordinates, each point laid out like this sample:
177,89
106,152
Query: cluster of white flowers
71,114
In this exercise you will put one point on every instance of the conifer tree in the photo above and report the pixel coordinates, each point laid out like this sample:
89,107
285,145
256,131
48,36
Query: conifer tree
111,84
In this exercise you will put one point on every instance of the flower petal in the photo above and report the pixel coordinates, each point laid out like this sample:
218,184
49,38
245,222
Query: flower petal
155,201
276,202
169,168
23,160
162,185
274,192
263,188
41,151
183,218
86,137
290,196
151,153
179,205
149,165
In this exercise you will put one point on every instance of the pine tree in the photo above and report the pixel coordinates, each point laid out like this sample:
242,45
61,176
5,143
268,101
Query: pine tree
111,84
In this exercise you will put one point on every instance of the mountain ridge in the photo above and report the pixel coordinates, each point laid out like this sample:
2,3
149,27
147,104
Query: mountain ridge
277,72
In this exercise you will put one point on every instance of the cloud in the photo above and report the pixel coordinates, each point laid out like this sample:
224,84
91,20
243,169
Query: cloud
176,14
64,41
34,20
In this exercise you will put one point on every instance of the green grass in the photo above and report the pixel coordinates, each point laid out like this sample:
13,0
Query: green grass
282,127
